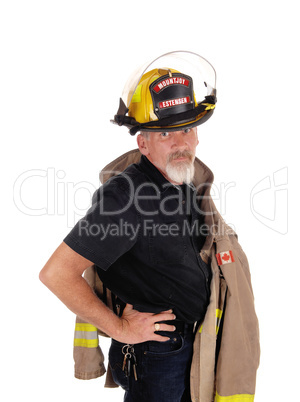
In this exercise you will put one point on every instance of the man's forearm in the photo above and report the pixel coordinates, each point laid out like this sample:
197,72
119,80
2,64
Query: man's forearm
62,274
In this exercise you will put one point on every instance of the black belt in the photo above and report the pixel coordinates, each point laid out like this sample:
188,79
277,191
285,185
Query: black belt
181,326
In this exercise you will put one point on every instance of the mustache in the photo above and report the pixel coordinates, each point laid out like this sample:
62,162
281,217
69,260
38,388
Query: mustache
181,154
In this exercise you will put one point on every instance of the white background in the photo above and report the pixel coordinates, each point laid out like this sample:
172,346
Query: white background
63,67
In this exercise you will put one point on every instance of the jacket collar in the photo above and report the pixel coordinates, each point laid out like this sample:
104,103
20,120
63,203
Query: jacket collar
202,180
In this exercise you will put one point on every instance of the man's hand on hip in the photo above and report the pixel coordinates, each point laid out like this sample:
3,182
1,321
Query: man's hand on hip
137,327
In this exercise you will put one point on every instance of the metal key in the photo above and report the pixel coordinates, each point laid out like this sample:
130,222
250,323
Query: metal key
128,364
129,361
124,363
124,351
132,363
126,367
134,366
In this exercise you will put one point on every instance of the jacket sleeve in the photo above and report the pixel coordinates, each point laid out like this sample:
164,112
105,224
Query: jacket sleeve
205,343
88,356
239,353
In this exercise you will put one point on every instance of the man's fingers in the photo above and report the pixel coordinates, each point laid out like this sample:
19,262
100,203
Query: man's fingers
128,307
164,317
160,338
164,327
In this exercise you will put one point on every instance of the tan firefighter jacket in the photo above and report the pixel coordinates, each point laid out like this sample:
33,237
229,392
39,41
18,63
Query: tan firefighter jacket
232,377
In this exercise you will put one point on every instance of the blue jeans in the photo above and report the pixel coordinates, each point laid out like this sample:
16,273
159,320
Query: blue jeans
163,369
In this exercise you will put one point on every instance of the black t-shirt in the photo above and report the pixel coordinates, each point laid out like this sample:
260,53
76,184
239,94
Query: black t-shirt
144,235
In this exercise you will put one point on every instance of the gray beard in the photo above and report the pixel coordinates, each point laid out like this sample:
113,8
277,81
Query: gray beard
181,173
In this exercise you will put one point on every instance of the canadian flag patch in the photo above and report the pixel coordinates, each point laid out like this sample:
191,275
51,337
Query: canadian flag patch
225,258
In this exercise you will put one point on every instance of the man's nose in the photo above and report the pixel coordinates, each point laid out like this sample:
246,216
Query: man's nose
179,140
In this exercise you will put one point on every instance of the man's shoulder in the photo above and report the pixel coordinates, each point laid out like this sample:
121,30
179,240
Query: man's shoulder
119,187
129,179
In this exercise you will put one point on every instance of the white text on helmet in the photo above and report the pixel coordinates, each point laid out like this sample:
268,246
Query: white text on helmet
171,81
174,102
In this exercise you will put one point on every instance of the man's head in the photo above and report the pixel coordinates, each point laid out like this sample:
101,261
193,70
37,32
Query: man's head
162,103
173,153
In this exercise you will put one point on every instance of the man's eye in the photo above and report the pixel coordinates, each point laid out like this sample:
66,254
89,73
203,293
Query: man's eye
187,130
165,134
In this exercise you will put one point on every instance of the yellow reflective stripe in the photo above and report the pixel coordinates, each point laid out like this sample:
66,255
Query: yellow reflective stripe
86,343
83,334
218,319
234,398
85,327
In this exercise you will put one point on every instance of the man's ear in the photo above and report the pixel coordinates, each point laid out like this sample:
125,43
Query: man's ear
142,144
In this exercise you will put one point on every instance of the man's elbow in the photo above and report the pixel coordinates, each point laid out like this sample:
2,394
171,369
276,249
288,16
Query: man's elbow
46,276
64,266
50,273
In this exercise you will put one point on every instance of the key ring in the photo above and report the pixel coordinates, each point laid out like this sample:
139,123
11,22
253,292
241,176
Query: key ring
123,349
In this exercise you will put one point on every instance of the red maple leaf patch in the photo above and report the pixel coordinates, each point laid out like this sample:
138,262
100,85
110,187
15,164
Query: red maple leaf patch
226,257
